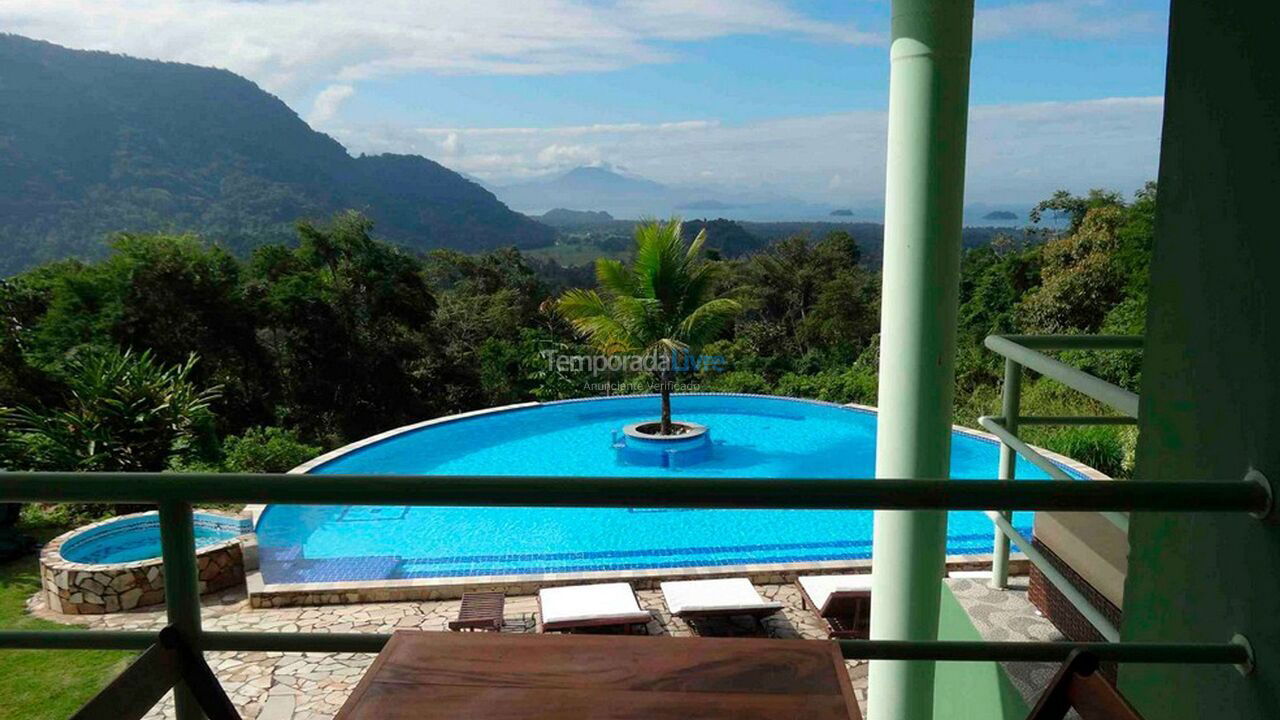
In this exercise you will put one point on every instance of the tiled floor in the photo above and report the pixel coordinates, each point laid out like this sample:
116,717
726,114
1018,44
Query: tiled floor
1008,616
312,686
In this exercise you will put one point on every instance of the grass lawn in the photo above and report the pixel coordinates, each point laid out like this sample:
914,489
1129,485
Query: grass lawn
40,684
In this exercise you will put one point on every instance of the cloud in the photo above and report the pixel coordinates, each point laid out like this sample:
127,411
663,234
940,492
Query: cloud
327,103
292,45
451,145
557,156
1066,19
1017,153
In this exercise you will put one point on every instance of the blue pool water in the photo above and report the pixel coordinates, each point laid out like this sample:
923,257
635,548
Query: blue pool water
753,437
137,537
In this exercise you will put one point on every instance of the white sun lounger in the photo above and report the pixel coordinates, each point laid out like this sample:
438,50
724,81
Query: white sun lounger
590,606
844,601
727,597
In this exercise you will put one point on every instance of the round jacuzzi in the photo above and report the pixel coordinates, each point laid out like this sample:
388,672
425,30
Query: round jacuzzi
115,564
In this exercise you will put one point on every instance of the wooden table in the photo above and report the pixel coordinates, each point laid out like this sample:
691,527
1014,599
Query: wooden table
423,675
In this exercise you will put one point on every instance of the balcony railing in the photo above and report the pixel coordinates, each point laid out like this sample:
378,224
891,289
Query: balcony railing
1021,351
175,494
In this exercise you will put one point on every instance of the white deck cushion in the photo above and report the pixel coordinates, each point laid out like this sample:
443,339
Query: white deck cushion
820,587
726,594
578,603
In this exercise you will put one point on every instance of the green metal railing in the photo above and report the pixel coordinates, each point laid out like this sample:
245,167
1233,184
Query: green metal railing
1022,351
175,494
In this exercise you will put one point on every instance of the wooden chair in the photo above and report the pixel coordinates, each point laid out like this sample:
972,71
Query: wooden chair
843,601
156,671
480,611
1079,686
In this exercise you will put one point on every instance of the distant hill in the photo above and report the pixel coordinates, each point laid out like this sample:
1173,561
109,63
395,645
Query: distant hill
593,187
93,143
1000,215
562,218
842,212
726,237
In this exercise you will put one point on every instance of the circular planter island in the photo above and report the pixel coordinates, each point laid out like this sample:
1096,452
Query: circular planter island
643,444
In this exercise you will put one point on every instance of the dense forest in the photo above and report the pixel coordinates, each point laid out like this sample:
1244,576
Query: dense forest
172,353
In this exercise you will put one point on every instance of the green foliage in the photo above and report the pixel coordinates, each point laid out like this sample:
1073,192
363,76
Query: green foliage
266,450
123,412
341,335
854,385
1099,447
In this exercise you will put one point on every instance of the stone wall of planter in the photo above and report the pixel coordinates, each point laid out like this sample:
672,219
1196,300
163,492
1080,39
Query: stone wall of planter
94,589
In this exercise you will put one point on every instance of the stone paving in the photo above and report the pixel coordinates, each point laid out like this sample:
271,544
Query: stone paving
312,686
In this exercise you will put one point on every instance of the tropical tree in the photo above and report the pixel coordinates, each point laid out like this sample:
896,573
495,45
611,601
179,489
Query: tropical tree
662,305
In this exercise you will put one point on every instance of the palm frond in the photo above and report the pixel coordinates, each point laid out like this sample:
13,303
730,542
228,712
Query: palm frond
614,277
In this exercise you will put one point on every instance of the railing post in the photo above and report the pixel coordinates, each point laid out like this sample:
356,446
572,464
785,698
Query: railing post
1010,407
181,589
924,198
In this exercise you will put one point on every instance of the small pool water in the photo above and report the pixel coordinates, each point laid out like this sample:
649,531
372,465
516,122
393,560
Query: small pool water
137,537
752,437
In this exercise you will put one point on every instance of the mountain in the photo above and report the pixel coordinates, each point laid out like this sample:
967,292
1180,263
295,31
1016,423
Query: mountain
562,218
93,143
1000,215
842,212
591,187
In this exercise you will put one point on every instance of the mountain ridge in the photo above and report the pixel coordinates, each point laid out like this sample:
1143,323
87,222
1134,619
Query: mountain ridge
95,143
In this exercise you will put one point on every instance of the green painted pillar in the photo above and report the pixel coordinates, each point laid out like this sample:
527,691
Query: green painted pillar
181,588
924,198
1010,408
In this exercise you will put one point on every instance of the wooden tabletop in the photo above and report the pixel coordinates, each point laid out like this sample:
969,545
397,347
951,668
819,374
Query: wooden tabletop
493,676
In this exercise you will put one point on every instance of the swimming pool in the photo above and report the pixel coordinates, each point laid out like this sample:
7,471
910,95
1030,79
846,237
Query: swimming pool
765,437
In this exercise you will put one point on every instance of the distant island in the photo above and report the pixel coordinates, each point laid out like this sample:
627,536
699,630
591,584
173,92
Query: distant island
563,217
842,212
1000,215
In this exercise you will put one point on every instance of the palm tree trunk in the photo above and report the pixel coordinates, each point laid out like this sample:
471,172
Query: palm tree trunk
665,384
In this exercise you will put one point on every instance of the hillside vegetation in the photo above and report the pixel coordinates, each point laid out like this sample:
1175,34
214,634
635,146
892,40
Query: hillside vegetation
93,144
172,353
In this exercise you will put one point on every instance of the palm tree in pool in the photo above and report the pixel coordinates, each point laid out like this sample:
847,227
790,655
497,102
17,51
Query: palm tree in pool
662,305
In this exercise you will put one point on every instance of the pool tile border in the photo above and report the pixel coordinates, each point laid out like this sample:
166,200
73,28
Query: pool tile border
264,595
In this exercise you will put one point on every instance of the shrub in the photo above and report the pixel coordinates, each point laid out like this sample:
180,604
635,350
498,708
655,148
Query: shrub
1100,447
266,450
122,412
737,381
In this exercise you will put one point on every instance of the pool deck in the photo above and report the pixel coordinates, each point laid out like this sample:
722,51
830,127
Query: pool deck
312,686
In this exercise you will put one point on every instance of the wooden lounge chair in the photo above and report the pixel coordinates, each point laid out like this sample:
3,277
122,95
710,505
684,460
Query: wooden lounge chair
844,601
603,606
694,600
480,611
1079,686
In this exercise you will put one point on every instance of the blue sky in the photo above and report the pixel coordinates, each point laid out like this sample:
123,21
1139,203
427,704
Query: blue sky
758,95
